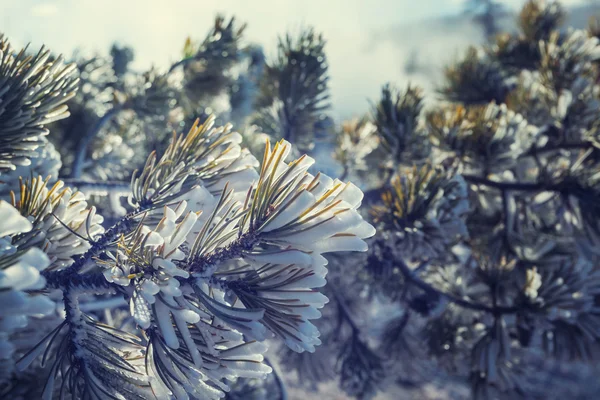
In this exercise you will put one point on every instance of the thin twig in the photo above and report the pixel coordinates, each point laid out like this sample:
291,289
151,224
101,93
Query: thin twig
282,390
103,304
345,172
181,62
90,240
410,276
92,187
86,140
343,307
374,195
561,146
517,186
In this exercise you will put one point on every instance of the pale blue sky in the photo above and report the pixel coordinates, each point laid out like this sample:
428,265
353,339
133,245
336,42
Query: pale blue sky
157,29
162,25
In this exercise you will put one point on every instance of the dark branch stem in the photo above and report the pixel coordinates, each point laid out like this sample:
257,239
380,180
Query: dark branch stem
506,212
205,264
89,186
517,186
415,280
343,307
345,172
374,195
86,140
278,381
179,63
91,282
561,146
56,279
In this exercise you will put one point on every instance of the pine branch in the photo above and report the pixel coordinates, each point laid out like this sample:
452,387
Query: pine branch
124,225
65,280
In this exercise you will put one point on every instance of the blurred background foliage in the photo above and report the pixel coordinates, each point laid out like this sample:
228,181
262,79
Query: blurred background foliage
483,280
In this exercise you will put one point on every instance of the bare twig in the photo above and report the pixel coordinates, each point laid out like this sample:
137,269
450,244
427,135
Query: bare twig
414,279
86,140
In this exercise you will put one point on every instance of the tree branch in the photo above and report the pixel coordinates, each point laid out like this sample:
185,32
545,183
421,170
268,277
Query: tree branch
517,186
93,187
343,307
414,279
55,279
561,146
84,143
207,264
75,280
278,380
182,62
374,195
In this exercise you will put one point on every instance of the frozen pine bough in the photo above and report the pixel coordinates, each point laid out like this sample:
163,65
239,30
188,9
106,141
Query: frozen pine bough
174,300
484,275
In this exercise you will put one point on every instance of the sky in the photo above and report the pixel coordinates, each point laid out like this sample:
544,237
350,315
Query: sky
156,29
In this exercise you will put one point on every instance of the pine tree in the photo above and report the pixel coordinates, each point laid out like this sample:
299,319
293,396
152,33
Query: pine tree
147,253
